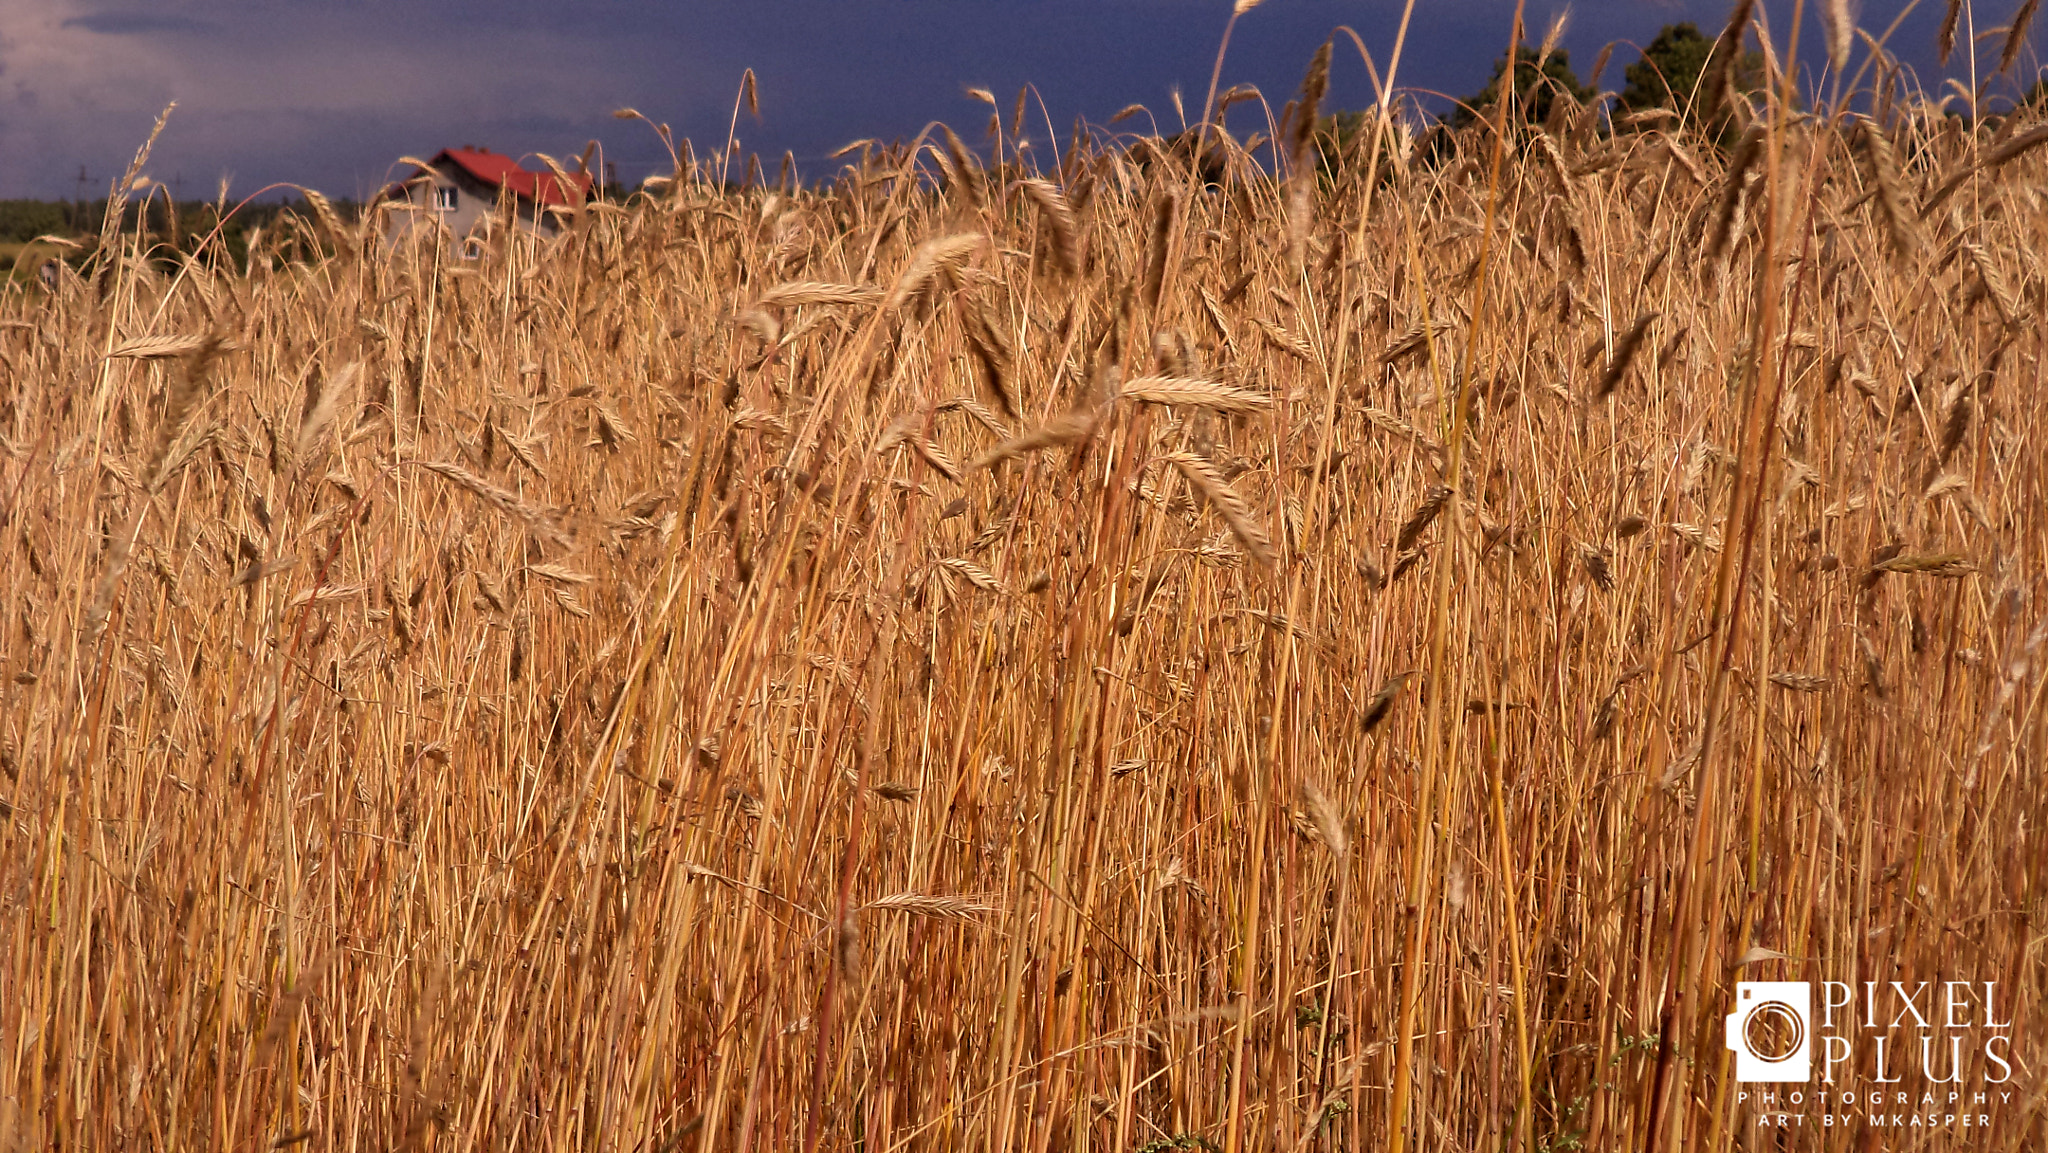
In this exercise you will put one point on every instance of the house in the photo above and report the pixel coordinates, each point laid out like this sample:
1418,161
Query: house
461,188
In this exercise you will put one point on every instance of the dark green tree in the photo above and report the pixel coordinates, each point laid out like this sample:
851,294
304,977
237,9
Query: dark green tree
24,220
1668,75
1537,88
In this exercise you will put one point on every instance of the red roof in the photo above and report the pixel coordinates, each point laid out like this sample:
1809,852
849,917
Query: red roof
501,171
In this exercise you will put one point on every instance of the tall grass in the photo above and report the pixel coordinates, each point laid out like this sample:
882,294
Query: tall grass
944,659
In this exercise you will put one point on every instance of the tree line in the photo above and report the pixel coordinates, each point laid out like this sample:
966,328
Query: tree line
1666,78
22,221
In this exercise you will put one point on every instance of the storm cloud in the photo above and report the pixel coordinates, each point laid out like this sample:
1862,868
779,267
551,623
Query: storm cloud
329,95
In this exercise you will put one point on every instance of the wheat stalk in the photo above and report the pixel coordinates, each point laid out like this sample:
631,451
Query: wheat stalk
1227,503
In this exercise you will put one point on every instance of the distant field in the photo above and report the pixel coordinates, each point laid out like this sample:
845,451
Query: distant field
948,660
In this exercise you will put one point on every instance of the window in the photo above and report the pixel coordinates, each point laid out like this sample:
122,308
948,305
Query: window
444,200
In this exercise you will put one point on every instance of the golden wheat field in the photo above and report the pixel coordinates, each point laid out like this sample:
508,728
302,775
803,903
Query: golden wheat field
1117,654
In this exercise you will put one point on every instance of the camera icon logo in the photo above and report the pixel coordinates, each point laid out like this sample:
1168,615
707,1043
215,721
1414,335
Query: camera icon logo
1771,1031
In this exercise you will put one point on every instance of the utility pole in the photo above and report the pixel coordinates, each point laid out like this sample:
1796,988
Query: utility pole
78,202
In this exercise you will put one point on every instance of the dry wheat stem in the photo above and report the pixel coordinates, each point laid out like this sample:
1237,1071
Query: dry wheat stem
1000,656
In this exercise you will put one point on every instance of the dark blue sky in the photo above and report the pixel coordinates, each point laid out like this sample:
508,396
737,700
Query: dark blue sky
331,93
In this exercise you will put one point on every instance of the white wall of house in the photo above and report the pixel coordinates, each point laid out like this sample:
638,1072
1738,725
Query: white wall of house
440,201
454,201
